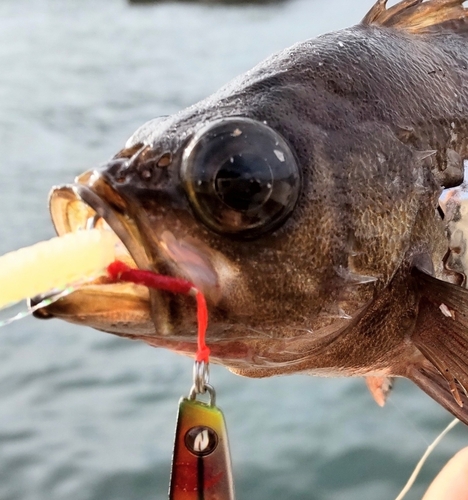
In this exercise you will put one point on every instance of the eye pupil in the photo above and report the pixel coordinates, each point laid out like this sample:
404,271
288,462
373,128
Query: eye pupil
241,177
244,182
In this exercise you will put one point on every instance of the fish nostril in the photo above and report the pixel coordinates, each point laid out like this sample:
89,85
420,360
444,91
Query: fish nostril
144,163
165,160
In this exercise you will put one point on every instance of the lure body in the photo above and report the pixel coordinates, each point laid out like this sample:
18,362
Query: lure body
201,464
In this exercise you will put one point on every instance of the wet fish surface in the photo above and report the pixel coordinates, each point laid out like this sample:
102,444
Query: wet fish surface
303,200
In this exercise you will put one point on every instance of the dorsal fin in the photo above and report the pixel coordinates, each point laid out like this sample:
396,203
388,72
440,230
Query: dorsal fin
418,16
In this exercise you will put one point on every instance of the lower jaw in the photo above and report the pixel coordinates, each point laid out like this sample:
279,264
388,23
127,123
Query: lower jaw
122,309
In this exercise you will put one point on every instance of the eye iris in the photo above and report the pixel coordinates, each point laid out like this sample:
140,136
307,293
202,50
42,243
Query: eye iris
244,182
241,177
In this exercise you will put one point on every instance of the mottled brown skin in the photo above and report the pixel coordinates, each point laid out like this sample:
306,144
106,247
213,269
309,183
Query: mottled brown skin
378,118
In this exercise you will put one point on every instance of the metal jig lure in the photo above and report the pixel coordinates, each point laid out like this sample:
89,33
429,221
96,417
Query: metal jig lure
201,463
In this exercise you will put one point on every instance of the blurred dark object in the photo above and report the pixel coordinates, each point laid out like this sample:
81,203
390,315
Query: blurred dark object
225,2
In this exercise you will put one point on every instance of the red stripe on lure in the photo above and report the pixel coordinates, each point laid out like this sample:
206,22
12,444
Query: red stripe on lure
119,271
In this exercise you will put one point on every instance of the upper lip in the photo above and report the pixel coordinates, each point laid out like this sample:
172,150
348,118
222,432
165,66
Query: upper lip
72,207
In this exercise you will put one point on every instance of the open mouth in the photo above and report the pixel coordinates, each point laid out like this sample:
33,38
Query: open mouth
124,308
121,308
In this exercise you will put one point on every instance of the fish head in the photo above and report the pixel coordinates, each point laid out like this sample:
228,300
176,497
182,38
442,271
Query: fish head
244,195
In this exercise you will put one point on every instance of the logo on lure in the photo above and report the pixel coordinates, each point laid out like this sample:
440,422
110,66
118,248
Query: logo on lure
201,440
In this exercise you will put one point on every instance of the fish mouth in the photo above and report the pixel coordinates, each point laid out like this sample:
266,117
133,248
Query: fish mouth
124,309
120,308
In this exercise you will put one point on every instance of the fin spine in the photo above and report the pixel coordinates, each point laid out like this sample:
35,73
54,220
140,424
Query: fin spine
418,16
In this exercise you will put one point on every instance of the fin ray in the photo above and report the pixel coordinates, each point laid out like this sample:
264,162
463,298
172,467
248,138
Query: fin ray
441,335
418,16
432,383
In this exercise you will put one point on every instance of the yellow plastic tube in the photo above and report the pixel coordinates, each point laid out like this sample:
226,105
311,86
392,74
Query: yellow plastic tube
54,264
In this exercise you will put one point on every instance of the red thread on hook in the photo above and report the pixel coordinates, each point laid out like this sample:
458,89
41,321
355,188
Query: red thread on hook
119,271
203,352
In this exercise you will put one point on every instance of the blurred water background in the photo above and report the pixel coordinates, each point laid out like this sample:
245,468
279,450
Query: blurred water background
87,416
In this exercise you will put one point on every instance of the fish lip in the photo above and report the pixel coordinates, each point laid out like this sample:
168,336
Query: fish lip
71,206
132,242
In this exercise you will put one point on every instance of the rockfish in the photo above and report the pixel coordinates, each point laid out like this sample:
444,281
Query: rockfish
303,199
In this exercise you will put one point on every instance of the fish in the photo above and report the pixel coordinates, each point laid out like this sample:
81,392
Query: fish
303,200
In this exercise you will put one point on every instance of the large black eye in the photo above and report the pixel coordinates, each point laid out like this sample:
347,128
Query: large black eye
241,177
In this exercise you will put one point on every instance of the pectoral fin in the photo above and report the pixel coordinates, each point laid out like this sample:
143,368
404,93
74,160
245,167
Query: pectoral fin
429,379
441,335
